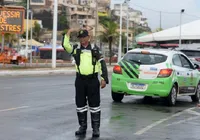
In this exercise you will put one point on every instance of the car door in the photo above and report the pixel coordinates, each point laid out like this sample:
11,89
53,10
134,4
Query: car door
179,71
190,74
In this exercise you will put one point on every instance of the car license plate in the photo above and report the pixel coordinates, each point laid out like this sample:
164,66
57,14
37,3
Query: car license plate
135,86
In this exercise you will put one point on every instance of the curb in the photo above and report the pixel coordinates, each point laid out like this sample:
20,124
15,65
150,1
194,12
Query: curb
40,72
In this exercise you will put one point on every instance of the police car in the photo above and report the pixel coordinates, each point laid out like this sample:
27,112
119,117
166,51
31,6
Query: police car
156,72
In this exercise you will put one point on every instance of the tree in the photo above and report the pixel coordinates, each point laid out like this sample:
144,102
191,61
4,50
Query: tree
124,41
62,20
37,31
103,20
110,34
10,39
23,3
46,17
29,34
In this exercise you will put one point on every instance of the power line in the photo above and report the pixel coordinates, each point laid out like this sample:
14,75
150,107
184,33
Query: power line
158,11
164,11
192,15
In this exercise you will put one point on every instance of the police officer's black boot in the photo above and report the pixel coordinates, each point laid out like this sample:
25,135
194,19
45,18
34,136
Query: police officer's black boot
82,118
95,117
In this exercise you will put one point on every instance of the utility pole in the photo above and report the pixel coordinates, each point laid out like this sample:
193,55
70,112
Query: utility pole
96,24
31,56
160,20
120,36
182,11
127,26
55,23
27,19
2,43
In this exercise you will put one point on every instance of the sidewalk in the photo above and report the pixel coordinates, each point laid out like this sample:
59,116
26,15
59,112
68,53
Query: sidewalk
42,71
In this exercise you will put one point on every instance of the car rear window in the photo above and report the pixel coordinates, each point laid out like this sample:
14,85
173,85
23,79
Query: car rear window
191,53
145,59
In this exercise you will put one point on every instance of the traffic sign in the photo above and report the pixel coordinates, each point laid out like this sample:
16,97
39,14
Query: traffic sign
11,20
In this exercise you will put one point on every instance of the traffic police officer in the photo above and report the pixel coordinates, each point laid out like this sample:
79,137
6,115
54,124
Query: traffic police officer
89,62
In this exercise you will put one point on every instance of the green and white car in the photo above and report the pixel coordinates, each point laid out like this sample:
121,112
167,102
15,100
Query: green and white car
156,72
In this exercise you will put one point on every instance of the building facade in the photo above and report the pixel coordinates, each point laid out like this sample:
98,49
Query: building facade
134,16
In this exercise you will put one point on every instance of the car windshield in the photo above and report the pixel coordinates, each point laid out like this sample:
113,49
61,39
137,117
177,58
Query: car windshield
146,59
191,53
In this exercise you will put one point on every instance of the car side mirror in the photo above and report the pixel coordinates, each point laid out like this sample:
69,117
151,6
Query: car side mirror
196,66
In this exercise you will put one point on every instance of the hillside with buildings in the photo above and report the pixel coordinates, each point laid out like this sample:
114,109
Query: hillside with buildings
79,13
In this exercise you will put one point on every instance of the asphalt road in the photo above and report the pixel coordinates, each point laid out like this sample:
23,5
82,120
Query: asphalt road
42,108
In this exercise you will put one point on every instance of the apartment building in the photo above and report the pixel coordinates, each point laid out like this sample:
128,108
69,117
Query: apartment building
134,16
8,2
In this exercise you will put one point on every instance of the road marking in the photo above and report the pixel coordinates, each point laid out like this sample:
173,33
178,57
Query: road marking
140,132
183,121
193,112
193,123
7,88
11,109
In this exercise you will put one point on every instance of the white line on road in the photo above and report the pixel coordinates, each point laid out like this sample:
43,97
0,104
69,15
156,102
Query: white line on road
140,132
193,123
11,109
193,112
7,88
183,121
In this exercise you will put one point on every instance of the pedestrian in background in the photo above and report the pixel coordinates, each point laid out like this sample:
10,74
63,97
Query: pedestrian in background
89,62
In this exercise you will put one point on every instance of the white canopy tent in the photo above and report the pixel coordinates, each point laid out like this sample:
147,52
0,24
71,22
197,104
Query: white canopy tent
190,31
33,43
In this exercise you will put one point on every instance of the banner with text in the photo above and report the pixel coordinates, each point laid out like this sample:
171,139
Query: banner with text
11,20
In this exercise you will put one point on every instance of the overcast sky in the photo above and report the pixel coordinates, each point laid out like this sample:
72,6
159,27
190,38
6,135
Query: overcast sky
192,7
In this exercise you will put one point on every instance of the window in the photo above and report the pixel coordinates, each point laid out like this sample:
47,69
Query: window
192,53
176,60
37,1
186,63
145,59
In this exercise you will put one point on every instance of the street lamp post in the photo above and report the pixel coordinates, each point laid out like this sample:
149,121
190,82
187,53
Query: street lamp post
27,18
31,37
127,26
120,36
127,30
182,11
55,19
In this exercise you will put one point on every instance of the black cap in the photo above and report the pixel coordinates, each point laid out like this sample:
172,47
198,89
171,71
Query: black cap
83,33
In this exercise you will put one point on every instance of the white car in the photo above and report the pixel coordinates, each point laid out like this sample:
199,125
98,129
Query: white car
156,72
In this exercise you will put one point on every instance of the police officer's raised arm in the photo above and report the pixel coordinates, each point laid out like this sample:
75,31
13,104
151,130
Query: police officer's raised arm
65,42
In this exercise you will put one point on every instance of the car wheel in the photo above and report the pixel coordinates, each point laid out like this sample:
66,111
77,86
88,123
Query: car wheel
196,97
117,97
171,99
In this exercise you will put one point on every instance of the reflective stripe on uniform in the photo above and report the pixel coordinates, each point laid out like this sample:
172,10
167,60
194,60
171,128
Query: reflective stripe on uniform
82,109
95,109
86,50
101,59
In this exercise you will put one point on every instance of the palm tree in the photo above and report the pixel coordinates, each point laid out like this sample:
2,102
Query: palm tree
109,35
37,31
124,42
23,3
11,39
